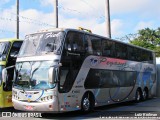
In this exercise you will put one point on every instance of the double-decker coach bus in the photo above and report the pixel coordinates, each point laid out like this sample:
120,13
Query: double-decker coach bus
67,69
9,49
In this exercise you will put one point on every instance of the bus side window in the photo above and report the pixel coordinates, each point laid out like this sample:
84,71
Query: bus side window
150,57
15,49
96,45
146,56
121,51
88,44
107,48
74,42
13,53
138,54
131,53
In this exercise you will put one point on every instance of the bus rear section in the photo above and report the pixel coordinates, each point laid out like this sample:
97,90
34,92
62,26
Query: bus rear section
9,49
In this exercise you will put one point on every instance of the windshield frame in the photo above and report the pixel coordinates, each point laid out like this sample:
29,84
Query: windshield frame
41,36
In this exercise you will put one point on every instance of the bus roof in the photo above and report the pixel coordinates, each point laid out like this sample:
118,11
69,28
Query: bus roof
71,29
9,40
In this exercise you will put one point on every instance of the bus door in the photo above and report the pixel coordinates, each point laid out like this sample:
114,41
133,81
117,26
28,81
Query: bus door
7,87
72,59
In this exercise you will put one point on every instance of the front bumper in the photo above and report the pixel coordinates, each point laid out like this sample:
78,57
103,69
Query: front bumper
50,106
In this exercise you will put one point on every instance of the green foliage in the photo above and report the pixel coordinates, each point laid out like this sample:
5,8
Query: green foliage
157,50
149,39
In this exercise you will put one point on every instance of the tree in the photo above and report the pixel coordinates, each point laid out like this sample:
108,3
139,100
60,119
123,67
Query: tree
149,39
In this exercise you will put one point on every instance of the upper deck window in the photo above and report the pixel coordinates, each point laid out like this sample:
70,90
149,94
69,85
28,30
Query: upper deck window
42,43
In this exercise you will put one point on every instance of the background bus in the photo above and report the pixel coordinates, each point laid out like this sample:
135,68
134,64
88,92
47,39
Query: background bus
9,49
66,69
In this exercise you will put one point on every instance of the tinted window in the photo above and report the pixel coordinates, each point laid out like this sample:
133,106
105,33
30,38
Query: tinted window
16,47
134,54
74,42
140,55
144,56
150,57
88,44
94,45
108,48
121,51
109,78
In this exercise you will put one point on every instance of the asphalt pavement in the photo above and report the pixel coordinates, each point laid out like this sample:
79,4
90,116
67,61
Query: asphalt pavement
149,109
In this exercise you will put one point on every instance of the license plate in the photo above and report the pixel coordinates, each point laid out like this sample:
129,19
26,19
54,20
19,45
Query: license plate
29,107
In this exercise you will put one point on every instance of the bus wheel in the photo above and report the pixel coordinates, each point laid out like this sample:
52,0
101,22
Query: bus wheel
138,96
145,94
86,104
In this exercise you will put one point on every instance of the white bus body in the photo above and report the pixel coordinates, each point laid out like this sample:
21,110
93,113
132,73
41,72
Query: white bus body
76,75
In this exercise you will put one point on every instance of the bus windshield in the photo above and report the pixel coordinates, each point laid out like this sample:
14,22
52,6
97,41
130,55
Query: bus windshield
3,50
33,75
42,43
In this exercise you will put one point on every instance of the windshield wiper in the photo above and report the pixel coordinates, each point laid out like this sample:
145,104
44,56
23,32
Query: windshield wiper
23,88
32,73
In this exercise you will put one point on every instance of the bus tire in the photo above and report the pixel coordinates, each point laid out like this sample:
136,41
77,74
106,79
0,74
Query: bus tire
138,96
145,94
87,103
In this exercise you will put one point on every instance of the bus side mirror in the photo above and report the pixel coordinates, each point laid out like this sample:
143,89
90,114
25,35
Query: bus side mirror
52,75
4,75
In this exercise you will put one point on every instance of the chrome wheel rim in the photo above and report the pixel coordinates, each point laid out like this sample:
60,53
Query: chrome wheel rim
138,96
86,104
144,94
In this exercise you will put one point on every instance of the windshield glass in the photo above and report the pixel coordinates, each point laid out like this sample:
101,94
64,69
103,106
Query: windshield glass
4,46
42,43
33,75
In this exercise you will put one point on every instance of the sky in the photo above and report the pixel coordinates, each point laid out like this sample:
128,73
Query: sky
127,16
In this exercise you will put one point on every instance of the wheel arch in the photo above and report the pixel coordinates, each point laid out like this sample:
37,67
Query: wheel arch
140,89
91,96
141,94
